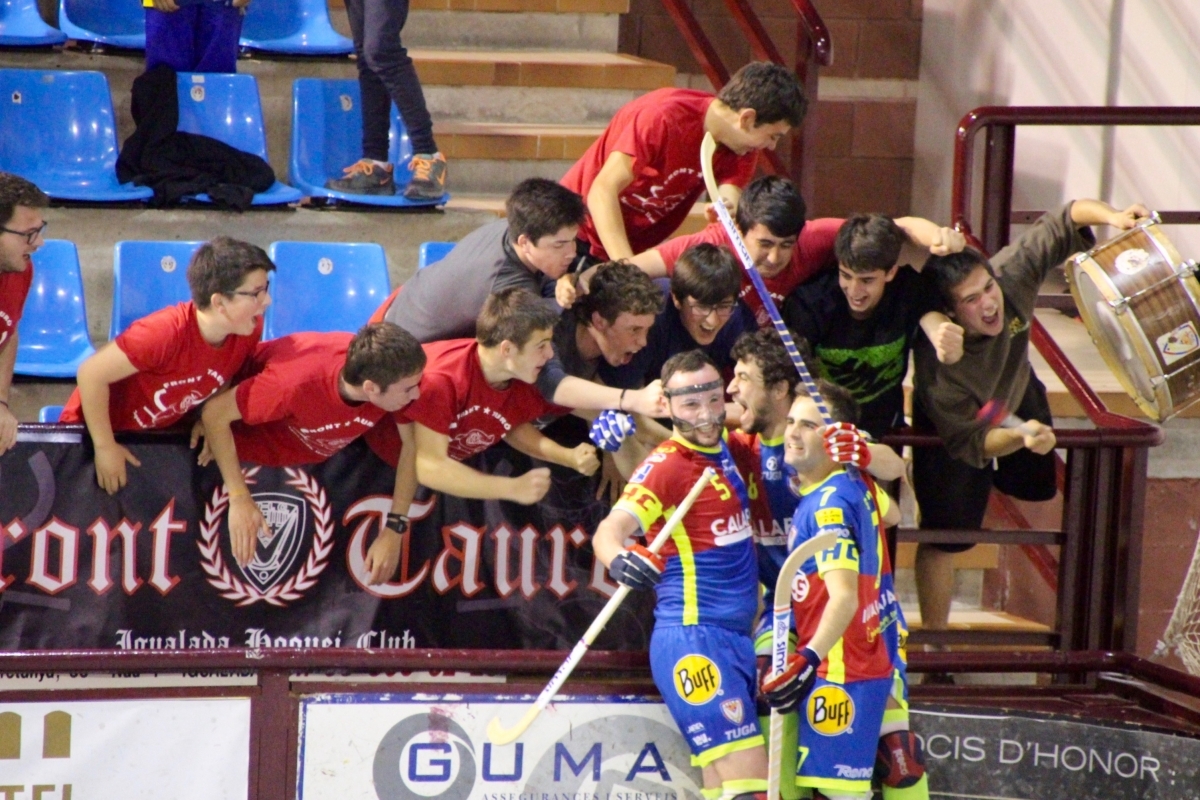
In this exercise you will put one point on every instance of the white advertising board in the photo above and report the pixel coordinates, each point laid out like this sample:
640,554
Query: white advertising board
413,746
183,749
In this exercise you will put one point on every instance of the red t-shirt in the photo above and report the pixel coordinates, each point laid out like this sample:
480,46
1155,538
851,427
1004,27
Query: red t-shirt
812,254
176,370
292,412
14,288
662,131
457,400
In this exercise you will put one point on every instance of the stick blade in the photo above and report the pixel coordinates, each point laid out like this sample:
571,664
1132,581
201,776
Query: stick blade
498,735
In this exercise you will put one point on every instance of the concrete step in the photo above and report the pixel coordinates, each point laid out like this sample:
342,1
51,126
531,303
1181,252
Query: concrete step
530,105
492,158
543,68
460,30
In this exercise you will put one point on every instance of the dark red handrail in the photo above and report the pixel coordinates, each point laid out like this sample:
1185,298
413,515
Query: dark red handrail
814,48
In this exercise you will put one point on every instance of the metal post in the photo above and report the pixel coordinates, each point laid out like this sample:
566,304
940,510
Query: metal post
997,185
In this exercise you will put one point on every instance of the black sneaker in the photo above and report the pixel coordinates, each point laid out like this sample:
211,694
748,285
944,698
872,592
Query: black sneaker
365,177
428,177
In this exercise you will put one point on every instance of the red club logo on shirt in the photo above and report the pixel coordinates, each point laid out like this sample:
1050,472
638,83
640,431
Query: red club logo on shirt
658,199
799,588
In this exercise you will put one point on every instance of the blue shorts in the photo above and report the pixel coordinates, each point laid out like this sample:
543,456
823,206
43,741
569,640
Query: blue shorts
839,734
706,676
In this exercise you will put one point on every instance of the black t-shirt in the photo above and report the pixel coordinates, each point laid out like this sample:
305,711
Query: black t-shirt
869,357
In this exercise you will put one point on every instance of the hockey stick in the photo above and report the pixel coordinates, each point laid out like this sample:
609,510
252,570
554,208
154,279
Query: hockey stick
781,626
496,732
707,148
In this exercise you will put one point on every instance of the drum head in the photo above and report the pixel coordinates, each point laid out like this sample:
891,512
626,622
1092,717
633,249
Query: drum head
1114,341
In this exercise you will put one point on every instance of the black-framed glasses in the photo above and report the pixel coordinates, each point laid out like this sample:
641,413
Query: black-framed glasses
256,295
30,235
703,309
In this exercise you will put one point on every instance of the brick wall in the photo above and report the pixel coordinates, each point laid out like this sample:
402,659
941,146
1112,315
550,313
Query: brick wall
867,109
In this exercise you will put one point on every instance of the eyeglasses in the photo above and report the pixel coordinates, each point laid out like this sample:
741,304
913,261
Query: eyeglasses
256,295
30,235
703,310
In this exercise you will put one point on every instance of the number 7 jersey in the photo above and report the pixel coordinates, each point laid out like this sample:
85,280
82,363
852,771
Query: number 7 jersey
711,576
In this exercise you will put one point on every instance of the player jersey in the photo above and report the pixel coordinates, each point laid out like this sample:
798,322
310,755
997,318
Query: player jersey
177,370
772,503
812,255
661,131
14,288
841,504
710,577
292,410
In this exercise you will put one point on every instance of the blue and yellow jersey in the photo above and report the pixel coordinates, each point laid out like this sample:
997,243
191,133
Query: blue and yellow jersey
841,504
711,576
772,503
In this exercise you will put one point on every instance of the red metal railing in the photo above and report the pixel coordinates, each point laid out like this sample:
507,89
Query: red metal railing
814,49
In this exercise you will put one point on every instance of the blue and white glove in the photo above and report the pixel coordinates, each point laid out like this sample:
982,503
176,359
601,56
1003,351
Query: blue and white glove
610,429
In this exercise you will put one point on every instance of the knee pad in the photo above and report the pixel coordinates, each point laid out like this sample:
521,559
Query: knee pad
899,761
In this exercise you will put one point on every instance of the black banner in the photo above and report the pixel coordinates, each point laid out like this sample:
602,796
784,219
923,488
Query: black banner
971,753
151,567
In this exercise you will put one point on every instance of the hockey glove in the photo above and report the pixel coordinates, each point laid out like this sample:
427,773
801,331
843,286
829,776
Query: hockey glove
846,444
610,429
785,692
637,568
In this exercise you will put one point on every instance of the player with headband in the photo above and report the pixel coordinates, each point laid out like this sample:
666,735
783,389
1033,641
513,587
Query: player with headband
701,654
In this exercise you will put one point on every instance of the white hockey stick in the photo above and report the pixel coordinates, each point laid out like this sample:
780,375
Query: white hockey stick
496,732
781,627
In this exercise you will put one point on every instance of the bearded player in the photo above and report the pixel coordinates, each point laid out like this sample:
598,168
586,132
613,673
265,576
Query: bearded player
701,654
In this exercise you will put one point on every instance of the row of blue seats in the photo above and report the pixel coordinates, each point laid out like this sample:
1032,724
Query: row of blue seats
57,129
296,27
317,286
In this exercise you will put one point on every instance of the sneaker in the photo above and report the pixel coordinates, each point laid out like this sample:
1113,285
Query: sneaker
365,177
428,177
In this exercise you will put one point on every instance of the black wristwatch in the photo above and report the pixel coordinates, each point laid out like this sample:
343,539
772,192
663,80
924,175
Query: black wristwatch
397,523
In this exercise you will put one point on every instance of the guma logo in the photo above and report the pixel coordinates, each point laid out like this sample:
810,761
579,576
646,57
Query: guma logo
697,679
830,710
56,743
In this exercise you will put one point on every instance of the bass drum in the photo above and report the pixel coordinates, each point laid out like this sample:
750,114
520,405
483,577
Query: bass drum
1140,302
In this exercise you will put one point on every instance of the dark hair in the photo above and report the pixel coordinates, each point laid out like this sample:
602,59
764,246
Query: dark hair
706,273
512,315
220,266
774,202
618,287
947,272
841,404
765,348
16,191
869,242
770,89
382,353
687,361
539,207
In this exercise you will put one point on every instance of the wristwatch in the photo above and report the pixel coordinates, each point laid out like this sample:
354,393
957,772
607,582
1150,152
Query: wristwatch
397,522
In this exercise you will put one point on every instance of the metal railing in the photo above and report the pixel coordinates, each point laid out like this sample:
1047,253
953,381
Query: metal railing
814,49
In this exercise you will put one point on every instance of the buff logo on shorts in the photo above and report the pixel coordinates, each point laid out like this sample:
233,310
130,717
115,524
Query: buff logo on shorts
830,516
697,679
732,709
830,710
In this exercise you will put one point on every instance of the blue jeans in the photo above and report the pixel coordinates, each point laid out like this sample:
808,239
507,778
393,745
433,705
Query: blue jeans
386,74
197,38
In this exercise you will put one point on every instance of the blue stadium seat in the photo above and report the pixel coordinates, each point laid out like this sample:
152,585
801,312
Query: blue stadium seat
325,286
49,413
118,23
22,26
57,130
432,252
300,27
227,107
53,332
327,137
148,276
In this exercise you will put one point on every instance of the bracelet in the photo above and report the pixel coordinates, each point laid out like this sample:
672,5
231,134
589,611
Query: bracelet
397,522
621,401
239,493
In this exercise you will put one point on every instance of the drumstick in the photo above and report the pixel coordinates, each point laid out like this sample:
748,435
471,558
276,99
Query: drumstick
995,413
